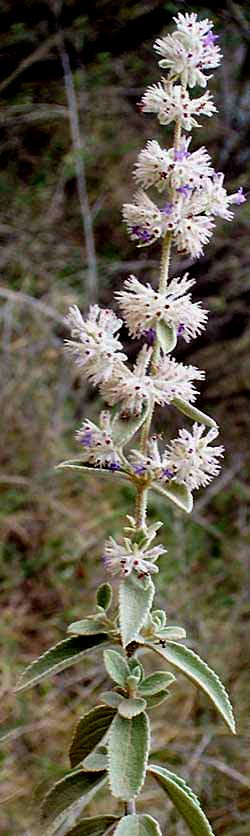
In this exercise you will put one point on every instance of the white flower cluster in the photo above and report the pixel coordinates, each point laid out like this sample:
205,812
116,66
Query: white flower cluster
189,51
94,345
97,443
106,368
193,196
123,559
143,307
188,460
195,193
191,458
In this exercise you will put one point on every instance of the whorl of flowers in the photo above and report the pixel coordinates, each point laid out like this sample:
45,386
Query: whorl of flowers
191,195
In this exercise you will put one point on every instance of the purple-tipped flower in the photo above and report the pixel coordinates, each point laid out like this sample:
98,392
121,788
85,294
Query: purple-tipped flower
240,197
141,233
167,209
180,154
180,329
210,39
185,189
150,336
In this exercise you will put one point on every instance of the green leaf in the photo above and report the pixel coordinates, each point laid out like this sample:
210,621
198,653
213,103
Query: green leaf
167,336
131,707
94,826
128,748
157,699
193,413
155,682
111,698
89,732
171,633
184,800
137,825
59,657
104,596
135,667
96,761
67,791
86,627
135,601
123,429
198,671
75,464
178,494
116,666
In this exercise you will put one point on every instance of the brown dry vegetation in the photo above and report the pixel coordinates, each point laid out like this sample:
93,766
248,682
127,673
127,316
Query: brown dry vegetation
53,525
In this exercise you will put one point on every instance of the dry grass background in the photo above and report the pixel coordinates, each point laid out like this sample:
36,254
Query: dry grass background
53,524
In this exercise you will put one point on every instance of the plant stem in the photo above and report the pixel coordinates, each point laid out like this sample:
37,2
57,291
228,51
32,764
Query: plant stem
130,808
141,499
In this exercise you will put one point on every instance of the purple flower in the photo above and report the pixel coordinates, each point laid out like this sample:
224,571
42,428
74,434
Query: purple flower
240,197
141,233
210,39
180,154
184,189
180,329
114,466
167,209
167,473
150,336
86,439
139,469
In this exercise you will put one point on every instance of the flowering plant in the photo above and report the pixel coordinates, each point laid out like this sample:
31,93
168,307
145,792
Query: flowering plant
112,741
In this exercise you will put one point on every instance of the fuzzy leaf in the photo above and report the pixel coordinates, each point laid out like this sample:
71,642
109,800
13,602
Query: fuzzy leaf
97,761
67,791
86,627
157,699
116,666
89,732
104,596
171,633
178,494
135,667
128,748
123,429
193,413
75,464
59,657
198,671
141,825
155,682
136,597
94,826
184,799
167,336
131,707
111,698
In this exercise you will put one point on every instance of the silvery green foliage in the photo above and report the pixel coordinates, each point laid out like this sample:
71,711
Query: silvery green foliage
111,742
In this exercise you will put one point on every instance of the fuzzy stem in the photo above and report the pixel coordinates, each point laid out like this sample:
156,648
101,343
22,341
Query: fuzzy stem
141,507
130,808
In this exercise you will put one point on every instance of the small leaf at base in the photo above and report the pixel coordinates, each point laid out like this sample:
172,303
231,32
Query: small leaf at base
116,666
137,825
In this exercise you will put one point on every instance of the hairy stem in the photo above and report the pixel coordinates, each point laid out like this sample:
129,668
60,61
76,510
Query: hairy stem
130,808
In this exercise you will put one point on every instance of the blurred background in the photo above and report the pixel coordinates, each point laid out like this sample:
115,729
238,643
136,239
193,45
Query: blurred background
71,75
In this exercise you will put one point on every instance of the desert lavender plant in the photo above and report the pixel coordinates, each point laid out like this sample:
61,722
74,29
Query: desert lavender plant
112,741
